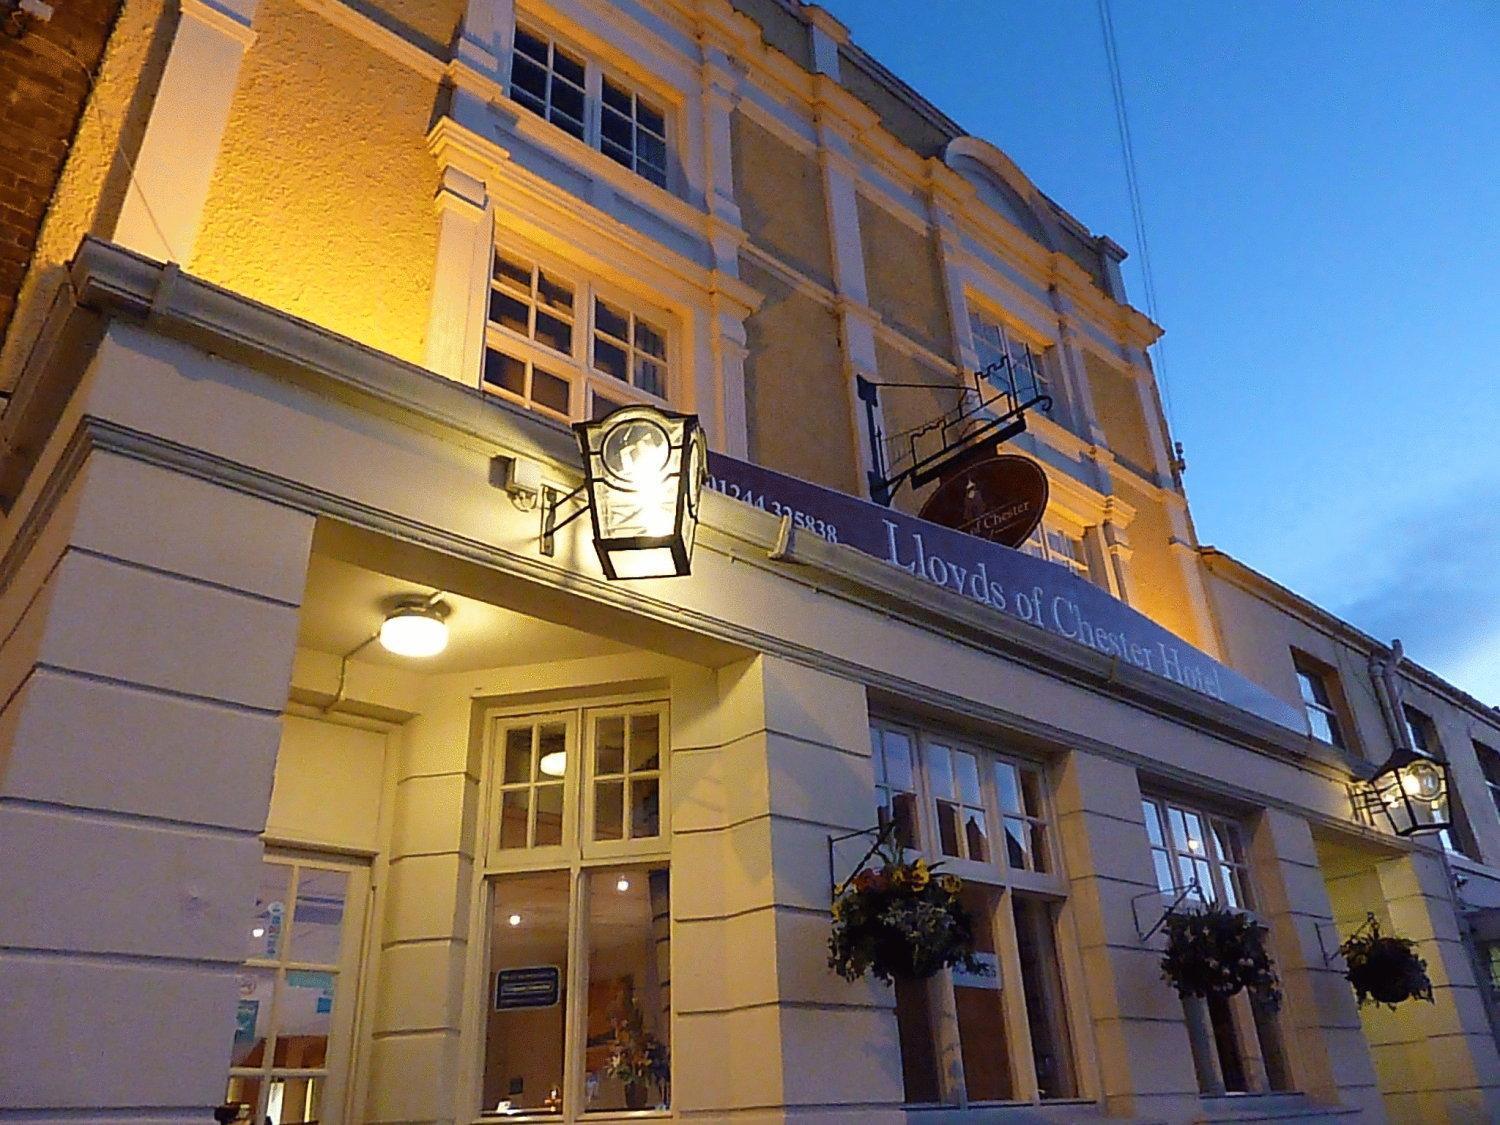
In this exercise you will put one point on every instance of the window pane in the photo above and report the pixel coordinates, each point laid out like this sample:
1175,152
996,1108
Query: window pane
1322,730
650,377
609,810
552,751
650,118
1164,880
531,45
245,1092
528,84
567,101
898,764
645,742
1031,793
507,372
555,293
609,319
1039,859
618,153
628,1034
645,808
981,1010
567,65
1015,843
948,827
966,767
549,815
940,772
610,359
652,341
517,755
268,919
514,809
523,1060
556,334
609,744
976,836
1008,785
568,124
550,391
914,1029
904,812
252,1017
1153,823
616,128
513,272
318,918
509,312
604,406
617,97
304,1018
1046,1012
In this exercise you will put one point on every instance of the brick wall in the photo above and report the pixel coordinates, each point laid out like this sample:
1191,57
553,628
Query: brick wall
42,95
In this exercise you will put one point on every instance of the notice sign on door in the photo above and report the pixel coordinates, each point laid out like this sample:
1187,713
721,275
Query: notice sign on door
538,986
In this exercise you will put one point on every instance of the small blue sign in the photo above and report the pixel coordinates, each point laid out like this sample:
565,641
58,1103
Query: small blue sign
538,986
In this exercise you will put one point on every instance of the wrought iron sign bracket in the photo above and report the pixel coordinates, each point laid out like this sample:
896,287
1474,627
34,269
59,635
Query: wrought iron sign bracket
551,500
978,428
879,831
1135,910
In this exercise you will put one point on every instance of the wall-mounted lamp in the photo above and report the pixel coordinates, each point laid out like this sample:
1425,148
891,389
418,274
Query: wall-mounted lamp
1411,791
643,473
416,627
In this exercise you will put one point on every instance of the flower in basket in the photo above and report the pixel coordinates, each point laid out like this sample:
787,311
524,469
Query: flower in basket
900,921
1384,969
1216,953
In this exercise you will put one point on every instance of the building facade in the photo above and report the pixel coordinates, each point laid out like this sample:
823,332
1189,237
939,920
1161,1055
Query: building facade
319,288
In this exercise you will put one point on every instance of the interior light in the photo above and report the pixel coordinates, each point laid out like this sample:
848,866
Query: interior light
623,885
514,919
416,627
554,764
259,931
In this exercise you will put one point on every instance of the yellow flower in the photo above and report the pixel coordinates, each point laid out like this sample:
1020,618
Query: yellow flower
951,884
920,876
898,875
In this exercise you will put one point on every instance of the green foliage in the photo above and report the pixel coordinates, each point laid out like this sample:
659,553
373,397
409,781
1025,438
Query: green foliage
1384,970
900,921
1216,952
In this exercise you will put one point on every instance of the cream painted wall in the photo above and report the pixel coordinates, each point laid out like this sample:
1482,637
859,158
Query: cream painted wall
1117,407
321,203
330,778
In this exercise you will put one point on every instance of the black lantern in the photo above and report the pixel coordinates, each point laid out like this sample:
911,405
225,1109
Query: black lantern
643,472
1411,790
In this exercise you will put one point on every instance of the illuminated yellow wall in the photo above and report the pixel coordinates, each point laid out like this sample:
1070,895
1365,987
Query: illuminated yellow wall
796,395
322,199
780,194
1118,408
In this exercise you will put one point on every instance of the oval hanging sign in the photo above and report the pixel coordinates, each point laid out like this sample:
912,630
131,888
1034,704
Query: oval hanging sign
1001,499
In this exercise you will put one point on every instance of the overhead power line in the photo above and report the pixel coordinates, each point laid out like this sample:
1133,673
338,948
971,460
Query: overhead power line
1133,186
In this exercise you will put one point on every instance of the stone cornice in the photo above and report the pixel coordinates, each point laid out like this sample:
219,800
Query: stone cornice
114,284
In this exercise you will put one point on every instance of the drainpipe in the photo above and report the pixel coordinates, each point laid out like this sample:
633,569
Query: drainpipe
1383,666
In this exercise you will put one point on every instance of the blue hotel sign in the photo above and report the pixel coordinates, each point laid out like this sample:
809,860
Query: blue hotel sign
1009,581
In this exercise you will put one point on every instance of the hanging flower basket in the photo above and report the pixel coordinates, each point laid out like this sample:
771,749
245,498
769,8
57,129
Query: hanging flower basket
1383,969
900,921
1216,952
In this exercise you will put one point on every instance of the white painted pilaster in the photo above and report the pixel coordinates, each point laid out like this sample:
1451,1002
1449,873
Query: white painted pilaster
163,208
466,235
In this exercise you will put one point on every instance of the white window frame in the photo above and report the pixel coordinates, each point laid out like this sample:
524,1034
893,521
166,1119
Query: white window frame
995,339
1313,680
593,90
578,856
588,384
336,1069
1002,882
1228,876
1043,543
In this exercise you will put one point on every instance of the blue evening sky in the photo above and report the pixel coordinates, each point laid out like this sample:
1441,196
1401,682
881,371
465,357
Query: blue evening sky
1322,194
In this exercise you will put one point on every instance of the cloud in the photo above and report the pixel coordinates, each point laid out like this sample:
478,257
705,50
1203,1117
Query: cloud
1431,576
